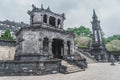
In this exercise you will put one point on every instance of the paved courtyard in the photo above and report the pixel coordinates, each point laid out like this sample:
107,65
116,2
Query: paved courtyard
97,71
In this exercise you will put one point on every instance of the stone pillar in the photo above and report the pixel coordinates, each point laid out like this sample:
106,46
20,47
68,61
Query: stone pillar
93,36
48,19
41,18
61,24
50,47
72,48
31,19
41,45
56,25
98,36
65,48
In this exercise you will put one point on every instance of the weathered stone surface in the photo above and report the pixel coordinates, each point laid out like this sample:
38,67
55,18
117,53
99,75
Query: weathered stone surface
7,50
40,46
7,53
31,42
94,72
10,68
97,46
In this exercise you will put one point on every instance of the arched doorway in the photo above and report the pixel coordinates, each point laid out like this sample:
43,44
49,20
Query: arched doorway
58,48
58,23
45,18
52,21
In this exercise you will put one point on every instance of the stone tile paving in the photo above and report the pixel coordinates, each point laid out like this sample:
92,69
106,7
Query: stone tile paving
96,71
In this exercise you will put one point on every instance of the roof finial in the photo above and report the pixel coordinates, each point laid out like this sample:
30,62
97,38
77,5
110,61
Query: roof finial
29,12
63,15
94,14
48,8
41,6
33,6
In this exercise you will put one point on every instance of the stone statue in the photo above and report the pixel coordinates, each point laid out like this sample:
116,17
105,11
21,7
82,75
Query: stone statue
119,59
112,59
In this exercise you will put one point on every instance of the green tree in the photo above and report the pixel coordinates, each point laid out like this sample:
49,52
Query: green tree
109,39
7,35
70,29
83,36
81,31
113,45
82,41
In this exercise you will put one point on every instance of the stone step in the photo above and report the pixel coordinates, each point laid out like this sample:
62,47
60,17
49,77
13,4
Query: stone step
86,55
71,68
73,71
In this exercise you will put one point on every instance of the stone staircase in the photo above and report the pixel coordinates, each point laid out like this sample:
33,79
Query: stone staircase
71,68
86,55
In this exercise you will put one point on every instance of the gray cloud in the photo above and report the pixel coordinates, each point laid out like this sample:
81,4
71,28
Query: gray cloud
78,12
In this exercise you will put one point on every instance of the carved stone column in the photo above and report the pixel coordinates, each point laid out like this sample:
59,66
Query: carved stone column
72,48
41,45
48,19
50,47
41,18
65,48
61,24
56,24
31,19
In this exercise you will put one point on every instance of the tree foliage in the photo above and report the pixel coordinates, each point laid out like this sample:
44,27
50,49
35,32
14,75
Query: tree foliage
82,41
81,31
114,45
83,36
70,29
7,35
111,38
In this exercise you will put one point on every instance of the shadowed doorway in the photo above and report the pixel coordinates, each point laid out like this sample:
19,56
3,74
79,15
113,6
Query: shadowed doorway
57,48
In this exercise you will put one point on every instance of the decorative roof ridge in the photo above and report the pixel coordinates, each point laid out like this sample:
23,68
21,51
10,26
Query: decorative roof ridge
35,9
47,28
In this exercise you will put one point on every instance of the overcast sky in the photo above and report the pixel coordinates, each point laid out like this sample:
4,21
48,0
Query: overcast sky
77,12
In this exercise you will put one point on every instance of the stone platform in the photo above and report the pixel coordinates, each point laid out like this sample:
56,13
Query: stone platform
24,68
96,71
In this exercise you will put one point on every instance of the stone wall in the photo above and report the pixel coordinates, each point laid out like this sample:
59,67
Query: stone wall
25,68
7,50
30,40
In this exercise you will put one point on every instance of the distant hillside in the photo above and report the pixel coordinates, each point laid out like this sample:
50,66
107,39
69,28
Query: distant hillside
13,26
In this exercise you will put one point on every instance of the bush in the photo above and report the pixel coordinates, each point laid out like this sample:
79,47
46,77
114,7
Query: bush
114,45
7,35
82,42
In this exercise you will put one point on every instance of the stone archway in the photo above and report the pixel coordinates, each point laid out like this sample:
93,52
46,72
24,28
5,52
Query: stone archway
52,21
58,48
45,18
58,23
